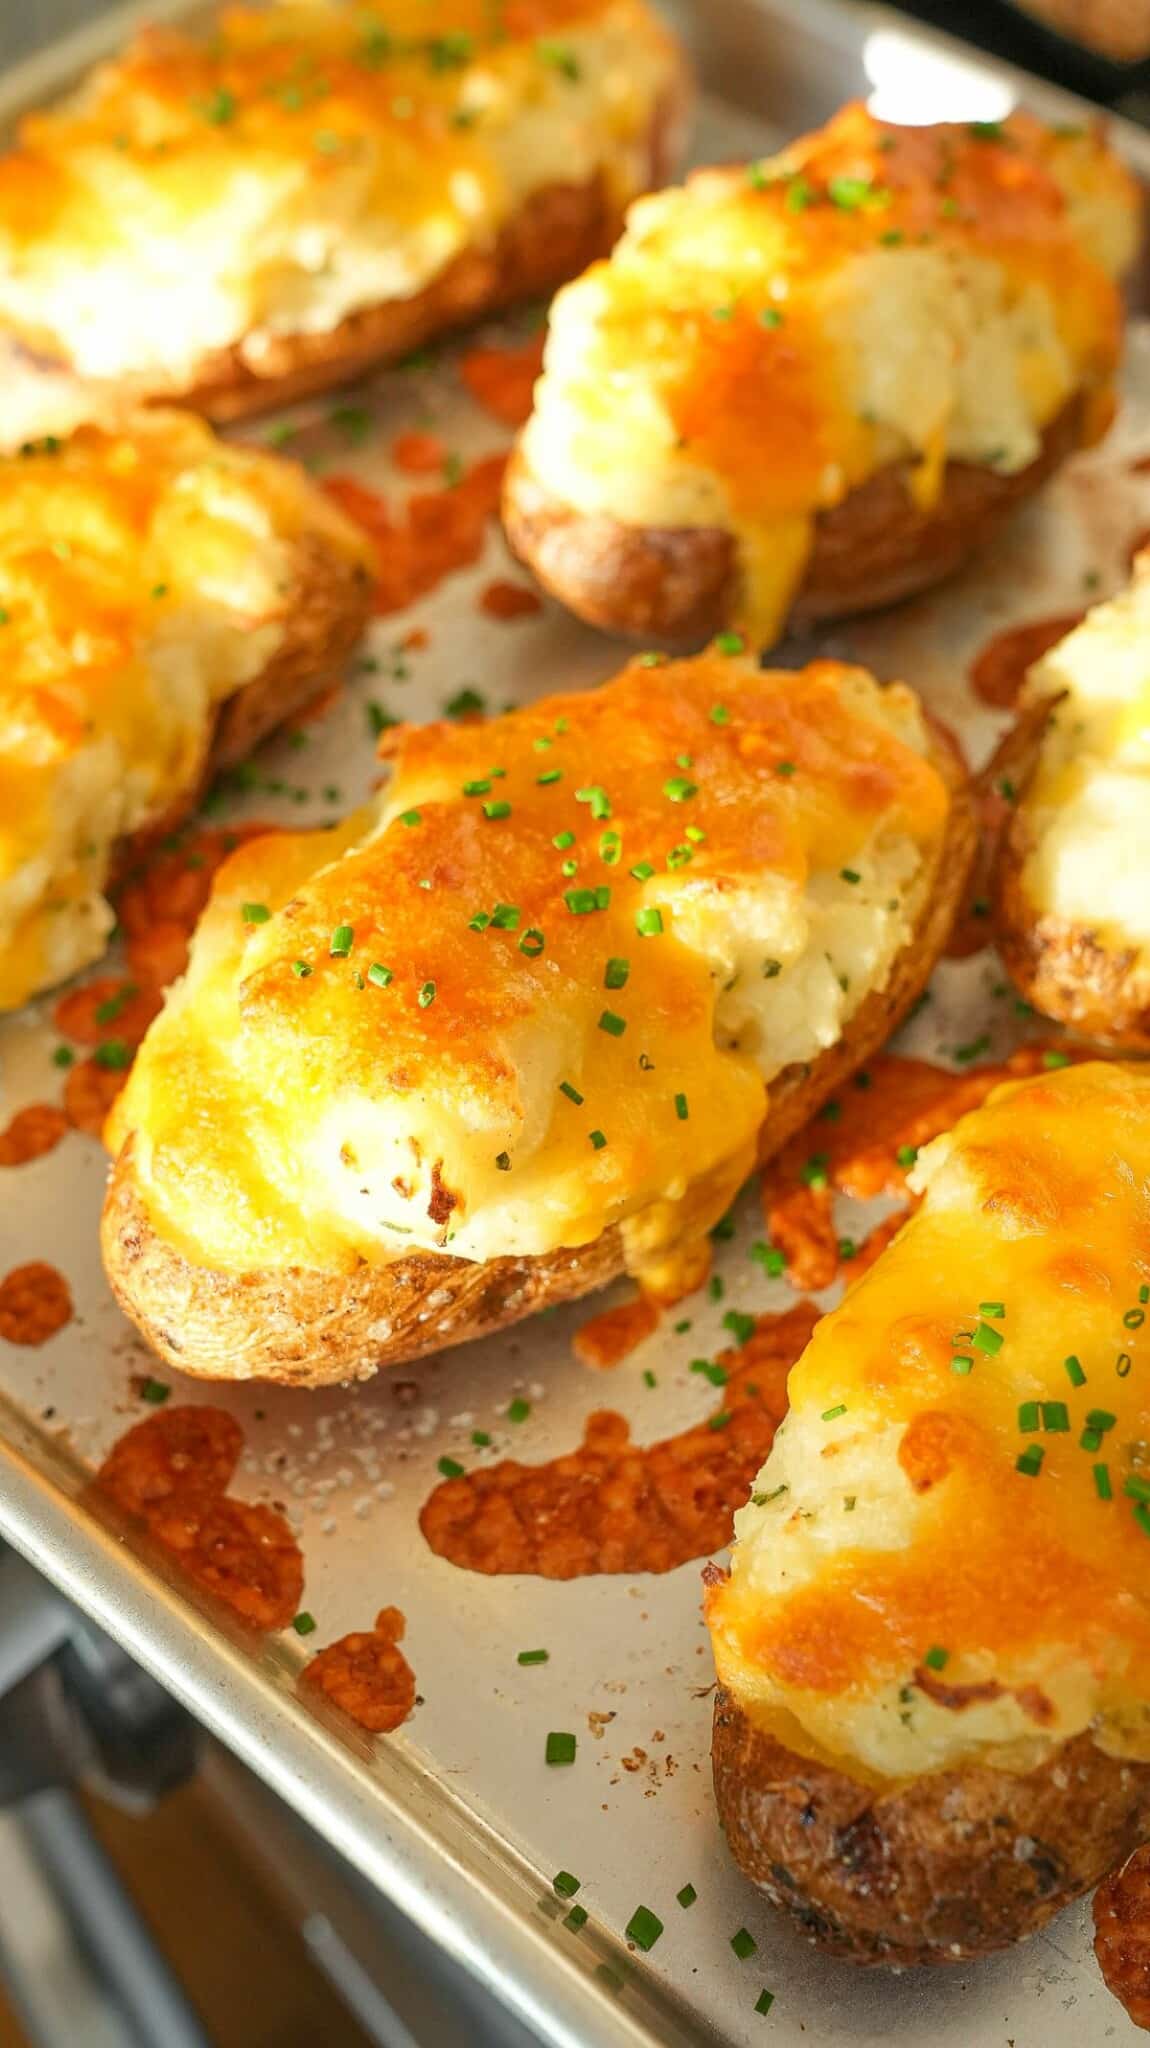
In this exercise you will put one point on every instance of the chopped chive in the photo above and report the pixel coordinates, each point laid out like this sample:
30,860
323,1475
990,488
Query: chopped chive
1142,1517
642,871
832,1414
63,1056
906,1155
1056,1059
687,1896
715,1375
936,1658
1102,1484
113,1055
764,2001
649,1379
342,940
1134,1318
770,1258
255,913
450,1468
1101,1419
679,789
426,995
565,1884
994,1309
720,1420
503,1161
1054,1416
304,1623
615,975
533,1657
847,1248
559,1747
571,1093
850,875
643,1928
155,1391
741,1325
649,922
480,787
532,942
518,1410
562,840
481,1438
729,643
379,974
594,795
581,902
576,1918
300,969
1028,1417
814,1173
784,768
615,1026
551,775
411,818
681,1109
1030,1461
597,1139
744,1944
987,1339
497,807
962,1363
505,917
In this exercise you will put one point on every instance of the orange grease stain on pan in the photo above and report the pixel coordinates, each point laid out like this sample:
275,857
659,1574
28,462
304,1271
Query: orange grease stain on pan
436,533
998,670
893,1107
171,1473
35,1302
502,380
502,600
611,1506
1122,1935
31,1133
605,1340
367,1675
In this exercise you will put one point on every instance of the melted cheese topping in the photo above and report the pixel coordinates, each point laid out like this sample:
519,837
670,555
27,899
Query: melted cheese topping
300,162
892,1521
145,575
1087,808
571,951
766,337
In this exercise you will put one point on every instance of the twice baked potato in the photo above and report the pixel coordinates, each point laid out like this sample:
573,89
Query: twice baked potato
1072,891
165,601
530,1022
809,385
242,212
933,1648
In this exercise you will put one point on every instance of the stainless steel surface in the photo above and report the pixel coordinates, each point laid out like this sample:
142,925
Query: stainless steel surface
457,1818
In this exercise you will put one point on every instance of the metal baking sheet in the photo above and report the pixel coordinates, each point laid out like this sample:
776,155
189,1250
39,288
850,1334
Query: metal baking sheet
457,1817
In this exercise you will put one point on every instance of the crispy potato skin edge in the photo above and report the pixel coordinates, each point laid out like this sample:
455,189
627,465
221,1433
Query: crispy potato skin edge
936,1870
307,1327
555,235
1064,969
678,585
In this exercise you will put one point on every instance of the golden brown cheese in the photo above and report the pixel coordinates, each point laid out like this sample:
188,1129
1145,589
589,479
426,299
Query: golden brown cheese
767,337
292,164
545,989
947,1554
145,575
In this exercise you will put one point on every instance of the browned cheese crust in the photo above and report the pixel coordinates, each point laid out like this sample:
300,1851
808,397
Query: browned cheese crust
1066,970
936,1870
555,235
678,585
311,1328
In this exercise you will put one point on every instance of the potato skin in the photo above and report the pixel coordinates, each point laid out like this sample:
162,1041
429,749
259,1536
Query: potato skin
1064,969
935,1870
555,235
678,585
309,1327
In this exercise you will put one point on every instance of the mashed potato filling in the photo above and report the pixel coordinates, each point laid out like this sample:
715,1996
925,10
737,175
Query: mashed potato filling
1086,811
765,338
304,162
145,576
546,987
944,1557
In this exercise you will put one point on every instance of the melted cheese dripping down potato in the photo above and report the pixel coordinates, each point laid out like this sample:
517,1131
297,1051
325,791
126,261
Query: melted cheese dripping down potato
298,163
146,576
546,986
765,338
945,1558
1086,810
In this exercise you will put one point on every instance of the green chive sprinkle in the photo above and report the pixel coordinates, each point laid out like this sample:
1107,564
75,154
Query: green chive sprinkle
481,787
616,973
687,1896
518,1410
649,922
1101,1419
300,969
426,995
552,775
764,2001
744,1944
411,817
1031,1461
784,768
679,790
1054,1416
497,807
562,840
379,975
936,1658
850,875
342,940
581,902
597,1139
906,1155
1102,1484
533,1657
1028,1417
987,1339
503,1161
770,1258
729,643
565,1884
644,1927
681,1109
576,1918
532,942
962,1364
571,1093
155,1391
994,1309
615,1026
505,917
304,1624
642,871
255,913
719,715
832,1414
559,1747
597,797
450,1468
